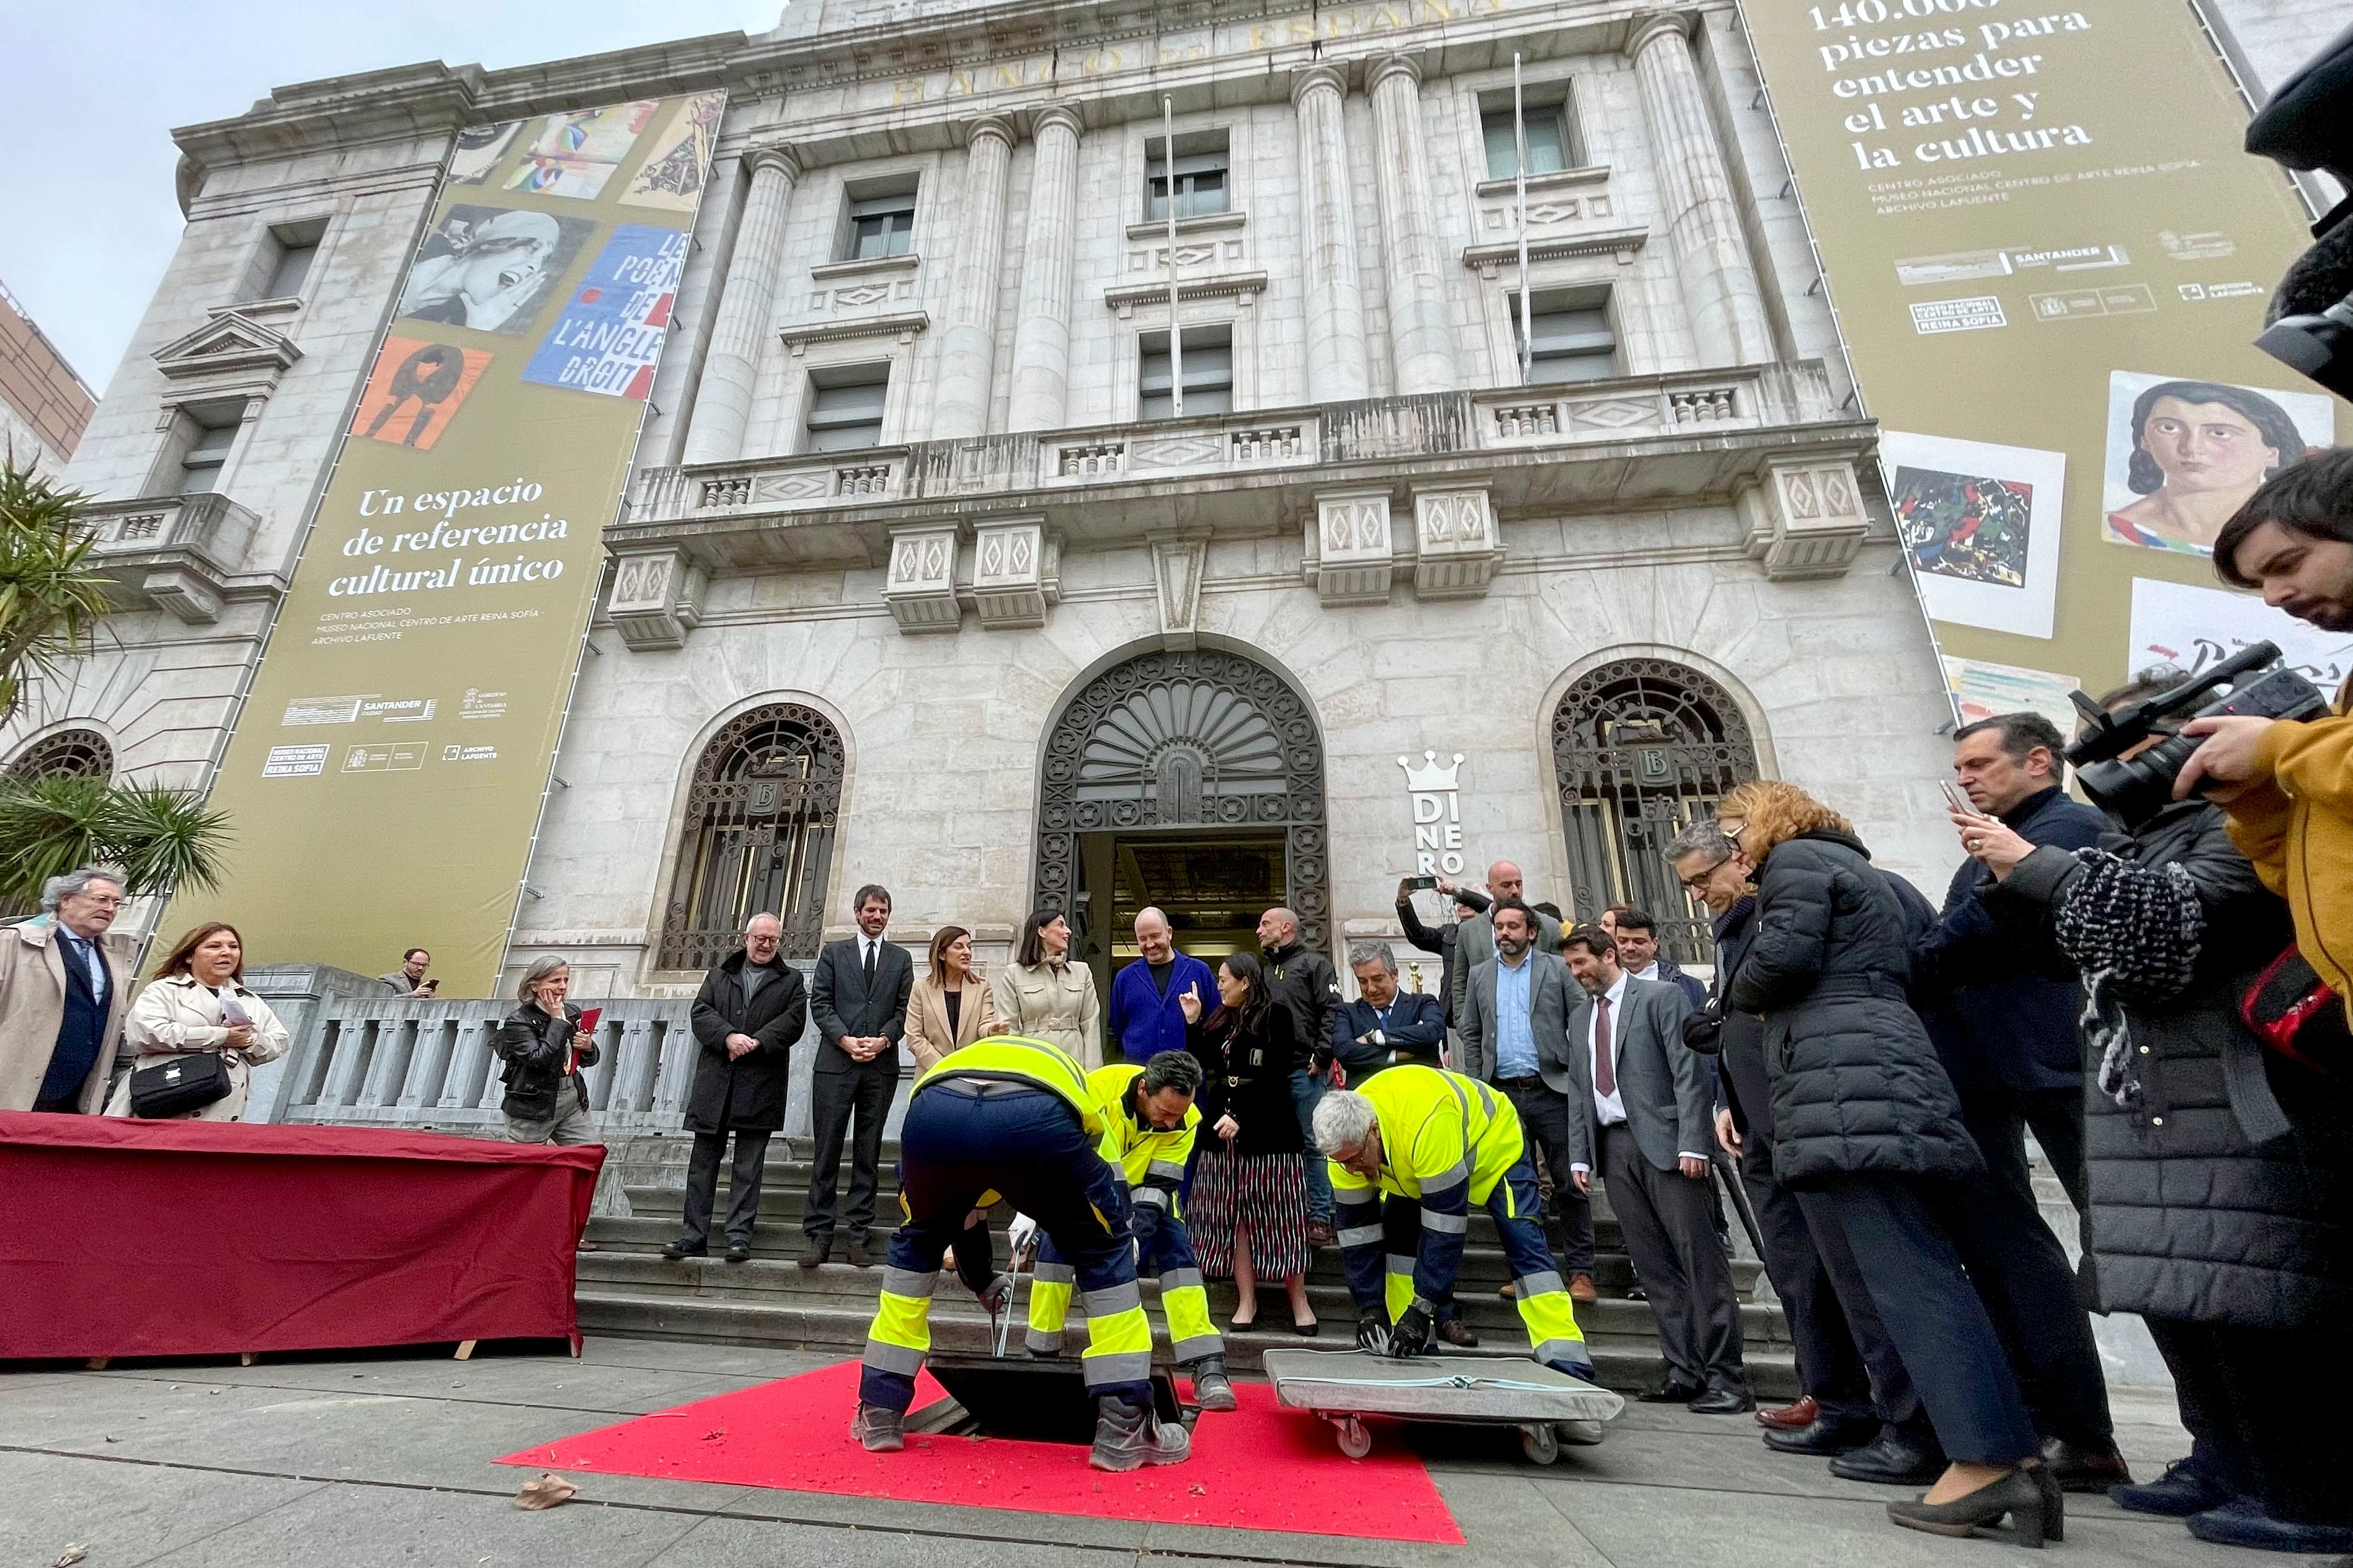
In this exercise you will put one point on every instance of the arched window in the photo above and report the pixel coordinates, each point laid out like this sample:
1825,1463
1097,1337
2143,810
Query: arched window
1642,747
760,820
71,753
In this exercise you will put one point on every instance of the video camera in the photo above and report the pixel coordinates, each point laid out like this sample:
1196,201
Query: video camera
2134,789
2308,125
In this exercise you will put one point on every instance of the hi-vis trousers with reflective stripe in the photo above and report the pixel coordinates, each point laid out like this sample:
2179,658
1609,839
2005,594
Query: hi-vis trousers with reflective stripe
1554,1338
1168,1253
964,1146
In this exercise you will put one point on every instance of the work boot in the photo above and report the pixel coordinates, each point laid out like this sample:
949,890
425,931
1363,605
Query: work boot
879,1431
1128,1438
1211,1389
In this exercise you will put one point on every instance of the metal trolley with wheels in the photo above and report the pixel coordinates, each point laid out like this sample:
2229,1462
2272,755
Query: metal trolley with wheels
1342,1387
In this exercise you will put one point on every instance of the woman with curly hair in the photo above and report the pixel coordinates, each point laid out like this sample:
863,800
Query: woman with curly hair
1867,1133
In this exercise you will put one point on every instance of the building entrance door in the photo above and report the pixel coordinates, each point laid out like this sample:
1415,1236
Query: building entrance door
1188,778
1212,885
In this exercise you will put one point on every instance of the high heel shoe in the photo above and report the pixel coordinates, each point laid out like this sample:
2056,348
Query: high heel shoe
2022,1495
2055,1499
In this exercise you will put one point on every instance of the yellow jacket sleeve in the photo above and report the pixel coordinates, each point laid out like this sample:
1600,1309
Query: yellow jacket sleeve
2259,826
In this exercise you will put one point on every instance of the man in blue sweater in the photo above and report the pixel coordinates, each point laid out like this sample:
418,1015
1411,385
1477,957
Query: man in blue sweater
1145,1017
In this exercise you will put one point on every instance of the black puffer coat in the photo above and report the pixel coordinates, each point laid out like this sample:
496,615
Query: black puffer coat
1856,1086
2226,1196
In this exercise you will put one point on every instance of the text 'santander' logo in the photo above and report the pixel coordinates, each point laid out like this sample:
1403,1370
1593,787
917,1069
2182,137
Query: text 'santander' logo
1437,791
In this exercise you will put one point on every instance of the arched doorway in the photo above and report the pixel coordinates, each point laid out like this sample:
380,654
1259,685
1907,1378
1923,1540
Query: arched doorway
1189,779
760,820
1641,748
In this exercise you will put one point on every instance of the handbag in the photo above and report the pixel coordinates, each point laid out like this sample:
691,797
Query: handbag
2299,1016
183,1084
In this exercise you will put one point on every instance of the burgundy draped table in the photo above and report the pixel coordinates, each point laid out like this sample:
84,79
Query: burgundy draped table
121,1237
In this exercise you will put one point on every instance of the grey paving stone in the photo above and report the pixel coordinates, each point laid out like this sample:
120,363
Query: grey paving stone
727,1541
377,1527
1685,1527
123,1513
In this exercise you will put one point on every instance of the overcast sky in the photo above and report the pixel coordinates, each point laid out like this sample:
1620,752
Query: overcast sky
89,90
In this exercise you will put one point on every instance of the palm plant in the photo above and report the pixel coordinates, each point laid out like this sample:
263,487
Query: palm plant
51,594
163,839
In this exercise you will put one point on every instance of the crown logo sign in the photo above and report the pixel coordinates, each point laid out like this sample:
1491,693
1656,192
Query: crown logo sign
1433,775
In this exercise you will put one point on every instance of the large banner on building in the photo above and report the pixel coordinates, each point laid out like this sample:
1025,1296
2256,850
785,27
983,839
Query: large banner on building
2049,255
387,770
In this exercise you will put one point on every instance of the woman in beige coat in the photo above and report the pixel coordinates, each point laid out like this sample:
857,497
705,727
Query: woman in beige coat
950,1007
1044,996
181,1012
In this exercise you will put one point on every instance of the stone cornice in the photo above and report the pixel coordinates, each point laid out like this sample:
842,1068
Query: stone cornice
902,325
1618,242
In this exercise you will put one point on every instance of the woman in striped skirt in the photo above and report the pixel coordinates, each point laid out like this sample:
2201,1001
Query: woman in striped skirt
1248,1205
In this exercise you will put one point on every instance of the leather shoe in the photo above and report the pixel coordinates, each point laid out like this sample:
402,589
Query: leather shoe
1454,1334
739,1252
1723,1402
814,1253
1321,1234
2082,1469
1803,1411
857,1256
2184,1488
2242,1521
1580,1288
1893,1459
1672,1393
1508,1291
678,1250
1828,1436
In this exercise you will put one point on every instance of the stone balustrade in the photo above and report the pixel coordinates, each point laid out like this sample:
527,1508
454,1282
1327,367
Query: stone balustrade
173,553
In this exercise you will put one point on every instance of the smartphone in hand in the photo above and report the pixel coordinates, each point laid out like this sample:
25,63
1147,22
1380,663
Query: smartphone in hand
1960,801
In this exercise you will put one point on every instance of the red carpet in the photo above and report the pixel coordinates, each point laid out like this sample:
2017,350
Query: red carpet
1261,1468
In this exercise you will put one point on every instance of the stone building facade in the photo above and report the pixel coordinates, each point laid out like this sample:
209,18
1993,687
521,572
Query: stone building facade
924,580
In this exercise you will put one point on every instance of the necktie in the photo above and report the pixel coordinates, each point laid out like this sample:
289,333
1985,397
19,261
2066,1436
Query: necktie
1605,1072
870,963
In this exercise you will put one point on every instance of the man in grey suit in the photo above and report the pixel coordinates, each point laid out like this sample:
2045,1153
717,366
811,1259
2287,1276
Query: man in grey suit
1475,942
1647,1108
859,1001
1515,1036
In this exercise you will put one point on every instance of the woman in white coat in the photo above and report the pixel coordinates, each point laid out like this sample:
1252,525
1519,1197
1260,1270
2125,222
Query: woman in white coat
1044,996
183,1011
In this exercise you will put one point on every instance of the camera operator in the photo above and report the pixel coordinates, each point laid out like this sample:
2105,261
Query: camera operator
2227,1227
2288,786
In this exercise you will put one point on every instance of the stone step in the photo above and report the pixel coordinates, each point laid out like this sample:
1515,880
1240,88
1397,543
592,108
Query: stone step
1482,1259
1627,1362
786,1284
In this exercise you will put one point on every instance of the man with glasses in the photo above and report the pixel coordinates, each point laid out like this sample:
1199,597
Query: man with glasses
62,998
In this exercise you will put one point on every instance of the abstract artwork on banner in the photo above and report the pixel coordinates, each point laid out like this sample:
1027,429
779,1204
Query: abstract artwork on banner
490,267
480,148
1981,689
679,159
574,154
2184,454
2193,628
609,335
1980,524
415,391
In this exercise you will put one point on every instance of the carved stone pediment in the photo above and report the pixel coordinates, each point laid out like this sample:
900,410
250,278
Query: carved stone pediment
229,344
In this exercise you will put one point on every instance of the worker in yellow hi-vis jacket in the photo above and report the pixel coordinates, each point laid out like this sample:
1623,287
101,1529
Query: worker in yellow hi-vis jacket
1013,1118
1414,1150
1149,1125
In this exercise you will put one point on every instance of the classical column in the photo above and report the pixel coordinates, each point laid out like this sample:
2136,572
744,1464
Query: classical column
1335,301
1420,339
747,298
968,345
1041,332
1727,309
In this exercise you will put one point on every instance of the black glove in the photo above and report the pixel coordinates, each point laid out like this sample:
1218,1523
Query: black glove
998,1295
1702,1029
1373,1336
1411,1335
